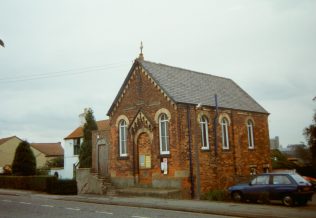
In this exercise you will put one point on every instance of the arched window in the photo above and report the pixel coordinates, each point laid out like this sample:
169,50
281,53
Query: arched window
123,138
204,132
251,144
164,134
225,139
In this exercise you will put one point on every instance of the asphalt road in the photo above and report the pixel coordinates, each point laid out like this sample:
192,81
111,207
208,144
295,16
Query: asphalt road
13,206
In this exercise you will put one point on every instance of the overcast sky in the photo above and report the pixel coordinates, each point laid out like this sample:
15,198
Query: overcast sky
62,56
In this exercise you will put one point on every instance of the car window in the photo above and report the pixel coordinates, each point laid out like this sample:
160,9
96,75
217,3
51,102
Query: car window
260,180
299,179
281,180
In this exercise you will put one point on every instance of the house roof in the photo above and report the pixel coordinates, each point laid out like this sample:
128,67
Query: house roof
78,132
3,140
190,87
49,149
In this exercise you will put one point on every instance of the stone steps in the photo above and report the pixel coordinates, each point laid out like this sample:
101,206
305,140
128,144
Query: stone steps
108,187
139,190
150,192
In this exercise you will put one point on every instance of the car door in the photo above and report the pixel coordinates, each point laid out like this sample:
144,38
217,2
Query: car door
258,188
281,185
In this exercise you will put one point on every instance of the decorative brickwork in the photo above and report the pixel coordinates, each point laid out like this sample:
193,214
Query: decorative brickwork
141,100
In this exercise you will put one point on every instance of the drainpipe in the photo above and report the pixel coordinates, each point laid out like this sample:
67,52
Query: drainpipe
215,135
197,159
234,144
134,161
215,125
190,151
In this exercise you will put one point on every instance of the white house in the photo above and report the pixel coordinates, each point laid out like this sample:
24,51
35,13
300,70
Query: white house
71,152
72,146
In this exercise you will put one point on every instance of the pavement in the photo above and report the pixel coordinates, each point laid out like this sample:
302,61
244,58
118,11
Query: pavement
275,210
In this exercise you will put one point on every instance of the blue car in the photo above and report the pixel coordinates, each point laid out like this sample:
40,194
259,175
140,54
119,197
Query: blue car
290,188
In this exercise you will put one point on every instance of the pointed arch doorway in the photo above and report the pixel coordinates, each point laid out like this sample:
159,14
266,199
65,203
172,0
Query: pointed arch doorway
144,154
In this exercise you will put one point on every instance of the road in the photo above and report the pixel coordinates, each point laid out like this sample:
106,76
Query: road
33,206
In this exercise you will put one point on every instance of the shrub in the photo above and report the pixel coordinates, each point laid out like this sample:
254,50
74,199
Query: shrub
24,163
42,172
7,169
85,152
55,162
216,195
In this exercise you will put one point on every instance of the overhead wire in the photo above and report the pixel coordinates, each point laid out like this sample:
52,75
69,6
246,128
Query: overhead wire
62,73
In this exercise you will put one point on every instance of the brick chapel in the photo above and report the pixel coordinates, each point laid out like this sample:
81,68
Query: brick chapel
176,128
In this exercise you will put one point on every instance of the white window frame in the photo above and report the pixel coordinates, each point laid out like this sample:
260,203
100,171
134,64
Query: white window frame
251,144
164,136
225,133
76,143
123,138
204,129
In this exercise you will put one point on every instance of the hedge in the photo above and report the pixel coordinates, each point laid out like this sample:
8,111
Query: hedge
36,183
48,184
63,187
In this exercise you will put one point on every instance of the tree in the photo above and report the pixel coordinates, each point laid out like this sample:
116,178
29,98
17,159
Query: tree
55,162
279,160
85,153
304,154
24,162
310,134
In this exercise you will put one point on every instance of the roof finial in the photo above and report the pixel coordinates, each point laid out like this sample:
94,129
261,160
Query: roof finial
141,56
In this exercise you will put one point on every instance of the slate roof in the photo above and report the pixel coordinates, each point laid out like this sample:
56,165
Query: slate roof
49,149
190,87
186,86
78,132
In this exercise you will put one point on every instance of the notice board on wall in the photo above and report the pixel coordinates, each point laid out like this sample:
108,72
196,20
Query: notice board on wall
144,161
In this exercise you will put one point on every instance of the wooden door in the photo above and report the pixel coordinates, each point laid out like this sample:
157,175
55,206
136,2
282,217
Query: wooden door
144,160
103,160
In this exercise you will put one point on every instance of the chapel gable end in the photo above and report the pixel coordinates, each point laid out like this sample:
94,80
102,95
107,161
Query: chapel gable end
139,90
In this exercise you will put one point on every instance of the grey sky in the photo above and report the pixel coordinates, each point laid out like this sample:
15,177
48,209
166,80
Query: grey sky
62,56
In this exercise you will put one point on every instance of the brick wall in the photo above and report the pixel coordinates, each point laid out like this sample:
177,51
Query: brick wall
210,171
149,99
225,168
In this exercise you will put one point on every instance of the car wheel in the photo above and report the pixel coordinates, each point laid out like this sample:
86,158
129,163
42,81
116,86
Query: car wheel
288,201
237,196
